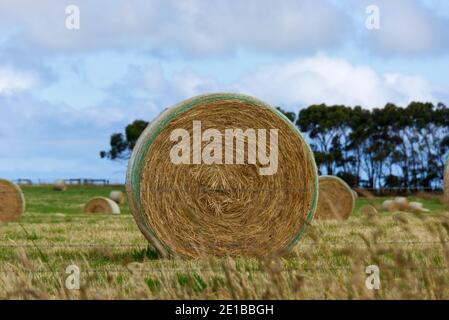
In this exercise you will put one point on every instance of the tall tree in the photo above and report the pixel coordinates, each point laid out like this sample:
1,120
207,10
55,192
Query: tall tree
121,145
327,128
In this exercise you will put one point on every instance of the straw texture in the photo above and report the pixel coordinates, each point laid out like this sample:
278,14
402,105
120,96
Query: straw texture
101,205
336,199
195,210
12,201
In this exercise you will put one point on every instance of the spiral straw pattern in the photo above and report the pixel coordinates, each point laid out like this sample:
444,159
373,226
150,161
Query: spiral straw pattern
195,210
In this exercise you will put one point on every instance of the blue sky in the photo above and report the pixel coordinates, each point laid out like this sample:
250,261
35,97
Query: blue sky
63,92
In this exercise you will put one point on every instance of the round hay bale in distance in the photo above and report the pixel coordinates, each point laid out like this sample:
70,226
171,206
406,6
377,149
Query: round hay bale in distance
416,206
368,210
402,203
335,199
117,196
390,205
12,201
232,205
101,205
59,185
355,194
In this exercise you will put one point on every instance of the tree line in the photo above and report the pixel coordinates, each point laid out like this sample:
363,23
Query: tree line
389,147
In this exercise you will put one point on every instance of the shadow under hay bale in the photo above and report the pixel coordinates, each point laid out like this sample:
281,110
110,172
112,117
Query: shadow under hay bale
101,205
118,197
12,201
335,199
225,208
59,185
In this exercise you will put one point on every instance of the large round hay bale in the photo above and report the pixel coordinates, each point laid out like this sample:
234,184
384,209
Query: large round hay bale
59,185
117,196
12,201
187,205
402,203
335,199
101,205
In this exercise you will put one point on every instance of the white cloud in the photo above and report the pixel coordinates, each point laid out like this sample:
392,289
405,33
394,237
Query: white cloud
297,83
218,27
320,79
150,84
47,135
14,81
197,27
41,140
407,28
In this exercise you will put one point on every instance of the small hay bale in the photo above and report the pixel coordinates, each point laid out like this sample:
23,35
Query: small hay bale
415,206
197,209
101,205
12,201
335,199
368,210
117,196
402,203
355,194
390,205
59,185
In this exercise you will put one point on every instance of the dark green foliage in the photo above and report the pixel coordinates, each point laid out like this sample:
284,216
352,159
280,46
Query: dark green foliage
389,147
122,145
290,115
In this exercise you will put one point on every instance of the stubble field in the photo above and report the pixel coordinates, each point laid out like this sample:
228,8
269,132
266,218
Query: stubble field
115,262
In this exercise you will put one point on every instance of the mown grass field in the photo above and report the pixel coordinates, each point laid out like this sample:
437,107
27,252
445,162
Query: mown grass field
115,261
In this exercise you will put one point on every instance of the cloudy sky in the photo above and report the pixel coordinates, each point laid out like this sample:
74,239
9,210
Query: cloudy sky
63,91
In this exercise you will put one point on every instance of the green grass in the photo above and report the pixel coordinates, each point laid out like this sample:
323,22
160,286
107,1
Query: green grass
43,200
116,261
